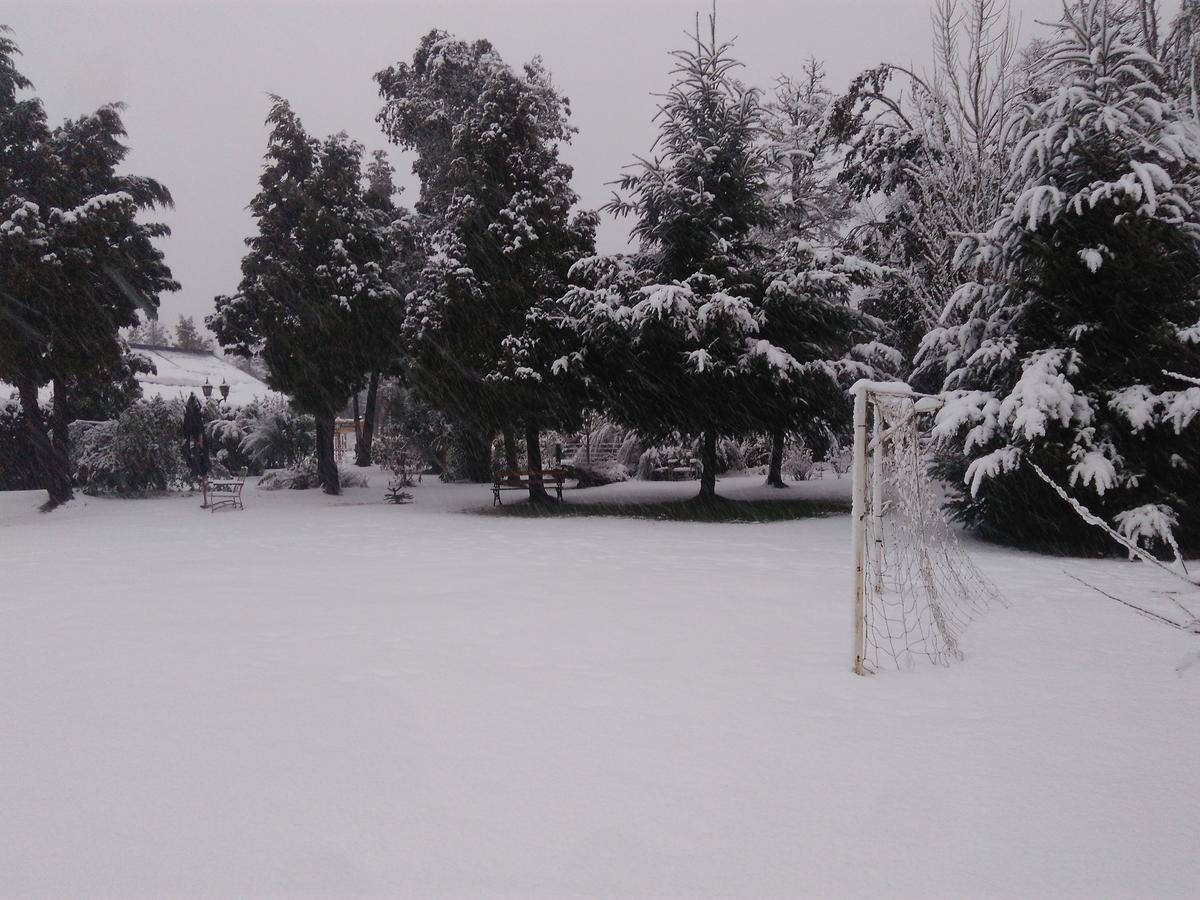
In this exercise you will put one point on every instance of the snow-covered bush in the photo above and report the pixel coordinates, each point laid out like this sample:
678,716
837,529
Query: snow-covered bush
135,453
598,474
279,438
797,461
304,476
226,428
729,458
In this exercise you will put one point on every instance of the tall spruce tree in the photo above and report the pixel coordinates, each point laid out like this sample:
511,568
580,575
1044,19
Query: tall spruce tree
313,282
1087,287
671,337
76,264
188,336
497,200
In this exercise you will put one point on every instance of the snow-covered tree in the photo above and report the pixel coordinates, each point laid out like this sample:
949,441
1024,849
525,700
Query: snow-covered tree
810,313
928,156
804,158
150,331
497,200
1087,287
670,339
76,263
188,336
400,235
313,281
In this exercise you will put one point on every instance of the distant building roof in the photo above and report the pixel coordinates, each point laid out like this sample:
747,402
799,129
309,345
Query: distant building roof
182,372
179,373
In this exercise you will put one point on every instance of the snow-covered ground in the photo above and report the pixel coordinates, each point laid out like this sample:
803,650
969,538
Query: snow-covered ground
333,696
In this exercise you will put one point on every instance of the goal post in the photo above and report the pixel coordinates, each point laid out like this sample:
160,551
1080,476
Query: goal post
914,588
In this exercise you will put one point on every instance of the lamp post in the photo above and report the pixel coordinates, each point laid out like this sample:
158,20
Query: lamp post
208,389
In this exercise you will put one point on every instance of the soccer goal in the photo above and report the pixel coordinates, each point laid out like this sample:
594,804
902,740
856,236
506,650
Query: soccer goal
915,588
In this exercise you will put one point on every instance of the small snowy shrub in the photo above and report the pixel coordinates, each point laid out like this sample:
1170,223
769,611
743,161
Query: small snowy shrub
798,461
599,474
304,476
280,438
135,453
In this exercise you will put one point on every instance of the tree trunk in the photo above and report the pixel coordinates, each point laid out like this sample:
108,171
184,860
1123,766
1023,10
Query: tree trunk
53,465
357,425
327,468
475,451
512,461
59,432
533,455
775,469
708,466
362,450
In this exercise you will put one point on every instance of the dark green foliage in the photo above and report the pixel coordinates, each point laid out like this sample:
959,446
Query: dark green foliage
1086,288
18,468
76,262
496,201
314,294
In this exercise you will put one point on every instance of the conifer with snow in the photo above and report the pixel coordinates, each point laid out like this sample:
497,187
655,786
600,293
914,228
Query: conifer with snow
1087,286
498,202
313,282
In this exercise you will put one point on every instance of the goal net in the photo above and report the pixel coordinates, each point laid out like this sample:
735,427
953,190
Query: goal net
915,588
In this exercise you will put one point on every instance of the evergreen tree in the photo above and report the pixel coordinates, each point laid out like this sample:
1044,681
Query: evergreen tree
671,337
152,332
496,200
928,158
76,265
188,336
809,313
1087,287
313,278
804,159
400,234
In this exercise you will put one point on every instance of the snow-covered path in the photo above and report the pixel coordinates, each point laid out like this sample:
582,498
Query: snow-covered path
332,696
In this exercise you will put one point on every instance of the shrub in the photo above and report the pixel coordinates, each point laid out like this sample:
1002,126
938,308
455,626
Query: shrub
304,476
279,438
797,461
135,453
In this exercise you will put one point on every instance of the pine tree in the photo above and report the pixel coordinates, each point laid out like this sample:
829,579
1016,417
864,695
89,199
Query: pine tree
497,200
152,332
1087,287
670,338
810,313
313,278
804,159
188,336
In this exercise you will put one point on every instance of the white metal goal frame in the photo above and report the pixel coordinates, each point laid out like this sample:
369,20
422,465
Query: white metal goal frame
914,588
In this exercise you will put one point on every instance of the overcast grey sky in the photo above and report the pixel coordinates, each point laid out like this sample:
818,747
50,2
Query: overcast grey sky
195,74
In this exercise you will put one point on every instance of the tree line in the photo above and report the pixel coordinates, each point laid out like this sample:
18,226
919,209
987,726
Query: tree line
1015,229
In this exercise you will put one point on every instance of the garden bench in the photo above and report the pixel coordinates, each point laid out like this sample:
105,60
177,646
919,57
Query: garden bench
230,490
520,480
678,469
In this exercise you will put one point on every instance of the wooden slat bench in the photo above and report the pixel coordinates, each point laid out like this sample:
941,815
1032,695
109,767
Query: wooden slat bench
522,479
229,488
678,469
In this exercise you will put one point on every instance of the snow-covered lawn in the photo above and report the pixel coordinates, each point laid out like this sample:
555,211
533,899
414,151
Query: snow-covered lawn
334,696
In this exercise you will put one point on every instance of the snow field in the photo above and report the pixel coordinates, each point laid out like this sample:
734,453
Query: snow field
332,696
